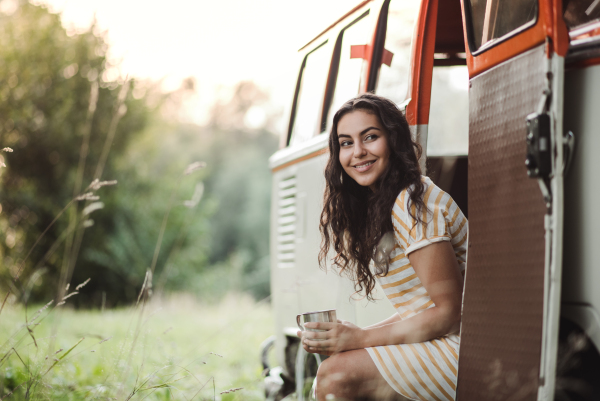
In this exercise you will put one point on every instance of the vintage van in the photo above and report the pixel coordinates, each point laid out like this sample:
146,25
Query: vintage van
505,98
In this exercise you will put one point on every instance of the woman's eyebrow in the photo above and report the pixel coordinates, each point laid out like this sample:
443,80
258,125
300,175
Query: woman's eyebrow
361,132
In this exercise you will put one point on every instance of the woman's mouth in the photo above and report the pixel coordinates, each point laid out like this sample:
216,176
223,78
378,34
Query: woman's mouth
362,167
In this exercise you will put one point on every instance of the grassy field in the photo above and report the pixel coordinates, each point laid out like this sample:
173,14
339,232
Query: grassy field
174,349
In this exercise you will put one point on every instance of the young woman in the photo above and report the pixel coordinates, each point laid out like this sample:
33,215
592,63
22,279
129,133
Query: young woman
375,192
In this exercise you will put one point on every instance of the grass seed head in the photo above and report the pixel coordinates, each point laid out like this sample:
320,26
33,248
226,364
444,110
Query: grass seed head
39,312
105,340
194,167
231,390
97,184
92,207
87,196
82,284
70,295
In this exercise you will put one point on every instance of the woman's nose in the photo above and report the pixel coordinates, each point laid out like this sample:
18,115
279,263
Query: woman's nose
359,149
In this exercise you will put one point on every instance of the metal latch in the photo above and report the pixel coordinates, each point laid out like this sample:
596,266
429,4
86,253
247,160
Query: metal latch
538,159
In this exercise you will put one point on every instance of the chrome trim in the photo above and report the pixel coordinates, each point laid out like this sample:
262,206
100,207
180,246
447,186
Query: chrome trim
583,29
584,43
582,49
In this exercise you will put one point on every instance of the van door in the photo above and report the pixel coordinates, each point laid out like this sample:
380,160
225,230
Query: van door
511,302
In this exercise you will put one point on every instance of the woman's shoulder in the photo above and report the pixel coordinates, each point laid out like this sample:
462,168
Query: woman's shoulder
428,185
433,197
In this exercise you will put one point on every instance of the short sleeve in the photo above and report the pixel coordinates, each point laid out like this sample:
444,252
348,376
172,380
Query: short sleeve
412,234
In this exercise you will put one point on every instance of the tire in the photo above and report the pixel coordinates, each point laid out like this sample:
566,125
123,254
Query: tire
578,365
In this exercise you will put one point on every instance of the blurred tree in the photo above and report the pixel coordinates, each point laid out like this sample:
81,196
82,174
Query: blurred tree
46,88
240,180
232,227
208,247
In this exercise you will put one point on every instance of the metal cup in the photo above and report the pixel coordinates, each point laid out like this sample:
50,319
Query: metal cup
317,316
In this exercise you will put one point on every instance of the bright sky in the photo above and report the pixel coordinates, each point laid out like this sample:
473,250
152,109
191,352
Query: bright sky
218,42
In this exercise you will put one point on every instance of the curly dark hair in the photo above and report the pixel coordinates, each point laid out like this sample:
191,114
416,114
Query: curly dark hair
354,218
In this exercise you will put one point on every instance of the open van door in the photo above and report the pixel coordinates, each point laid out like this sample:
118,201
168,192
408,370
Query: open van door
509,335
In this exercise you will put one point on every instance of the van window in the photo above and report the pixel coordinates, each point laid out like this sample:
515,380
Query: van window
313,75
580,12
490,20
448,131
392,81
351,71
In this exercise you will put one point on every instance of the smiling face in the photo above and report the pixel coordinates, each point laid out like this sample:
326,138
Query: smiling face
364,152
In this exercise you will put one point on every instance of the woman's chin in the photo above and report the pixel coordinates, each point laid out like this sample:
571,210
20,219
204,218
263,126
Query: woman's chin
364,181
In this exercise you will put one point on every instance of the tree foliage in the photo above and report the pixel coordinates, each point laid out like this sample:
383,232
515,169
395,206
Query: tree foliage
207,247
45,94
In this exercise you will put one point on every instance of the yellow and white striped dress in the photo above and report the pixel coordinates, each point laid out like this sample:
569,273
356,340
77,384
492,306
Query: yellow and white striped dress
427,370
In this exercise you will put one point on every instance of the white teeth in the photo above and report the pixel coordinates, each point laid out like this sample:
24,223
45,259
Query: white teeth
364,165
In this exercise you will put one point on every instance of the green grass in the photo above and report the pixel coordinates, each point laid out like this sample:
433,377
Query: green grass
181,346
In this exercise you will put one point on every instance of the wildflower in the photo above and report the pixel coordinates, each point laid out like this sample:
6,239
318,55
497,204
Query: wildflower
7,150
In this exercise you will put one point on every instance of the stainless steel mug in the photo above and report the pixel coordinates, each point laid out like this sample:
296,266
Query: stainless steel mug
317,316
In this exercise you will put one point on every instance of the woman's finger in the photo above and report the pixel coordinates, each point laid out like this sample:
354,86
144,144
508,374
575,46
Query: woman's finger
316,335
322,344
320,325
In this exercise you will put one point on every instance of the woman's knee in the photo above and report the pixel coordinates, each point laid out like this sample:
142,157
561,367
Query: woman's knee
331,376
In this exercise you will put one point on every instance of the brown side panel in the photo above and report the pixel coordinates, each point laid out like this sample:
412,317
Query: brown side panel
503,301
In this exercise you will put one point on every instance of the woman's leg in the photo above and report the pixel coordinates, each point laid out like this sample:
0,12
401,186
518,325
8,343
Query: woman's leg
352,375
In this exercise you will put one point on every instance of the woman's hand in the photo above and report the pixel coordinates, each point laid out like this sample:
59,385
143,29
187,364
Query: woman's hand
338,337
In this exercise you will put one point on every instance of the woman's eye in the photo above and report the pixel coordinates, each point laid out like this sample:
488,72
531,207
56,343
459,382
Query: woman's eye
370,137
345,143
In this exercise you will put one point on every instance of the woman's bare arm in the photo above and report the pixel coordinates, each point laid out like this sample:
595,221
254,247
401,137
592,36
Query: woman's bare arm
392,319
437,268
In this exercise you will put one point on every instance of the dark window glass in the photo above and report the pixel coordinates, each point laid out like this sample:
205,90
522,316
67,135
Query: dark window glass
580,12
490,20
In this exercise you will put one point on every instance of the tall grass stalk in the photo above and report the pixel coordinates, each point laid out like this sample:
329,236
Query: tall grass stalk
36,368
73,246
